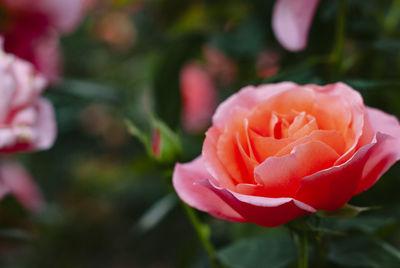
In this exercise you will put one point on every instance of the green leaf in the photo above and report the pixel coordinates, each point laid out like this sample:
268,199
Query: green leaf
363,251
275,250
170,144
156,213
346,211
86,90
366,224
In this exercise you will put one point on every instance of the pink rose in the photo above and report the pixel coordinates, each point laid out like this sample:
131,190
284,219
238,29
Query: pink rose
198,97
15,180
31,30
279,151
291,22
26,120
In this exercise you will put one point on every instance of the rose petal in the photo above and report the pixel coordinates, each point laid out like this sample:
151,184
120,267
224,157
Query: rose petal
291,21
283,104
330,189
264,211
21,185
383,122
29,84
228,150
212,161
281,176
250,163
340,107
246,99
387,150
26,137
46,128
382,156
267,146
331,138
185,179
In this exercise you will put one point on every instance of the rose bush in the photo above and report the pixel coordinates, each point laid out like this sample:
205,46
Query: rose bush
279,151
26,120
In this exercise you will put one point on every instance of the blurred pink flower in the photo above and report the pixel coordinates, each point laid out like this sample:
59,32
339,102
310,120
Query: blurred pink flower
268,63
199,97
31,30
26,120
291,21
15,180
221,67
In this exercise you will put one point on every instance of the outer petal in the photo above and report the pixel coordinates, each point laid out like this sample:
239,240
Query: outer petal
386,153
247,98
264,211
46,128
383,122
211,160
291,21
331,188
185,180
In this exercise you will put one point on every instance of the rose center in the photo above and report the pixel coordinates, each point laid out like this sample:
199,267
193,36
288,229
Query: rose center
294,125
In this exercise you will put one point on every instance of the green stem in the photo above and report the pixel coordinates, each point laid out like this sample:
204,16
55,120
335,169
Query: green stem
203,234
337,52
303,252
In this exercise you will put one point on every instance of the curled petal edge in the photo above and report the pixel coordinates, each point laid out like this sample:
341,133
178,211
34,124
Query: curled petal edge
264,211
185,181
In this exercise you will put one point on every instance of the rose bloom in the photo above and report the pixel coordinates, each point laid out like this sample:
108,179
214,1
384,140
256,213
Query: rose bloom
31,30
280,151
26,120
199,97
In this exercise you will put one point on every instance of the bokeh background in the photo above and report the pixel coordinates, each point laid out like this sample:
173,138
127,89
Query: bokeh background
110,203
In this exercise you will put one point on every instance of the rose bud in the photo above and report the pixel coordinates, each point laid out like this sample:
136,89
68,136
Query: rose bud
280,151
27,120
